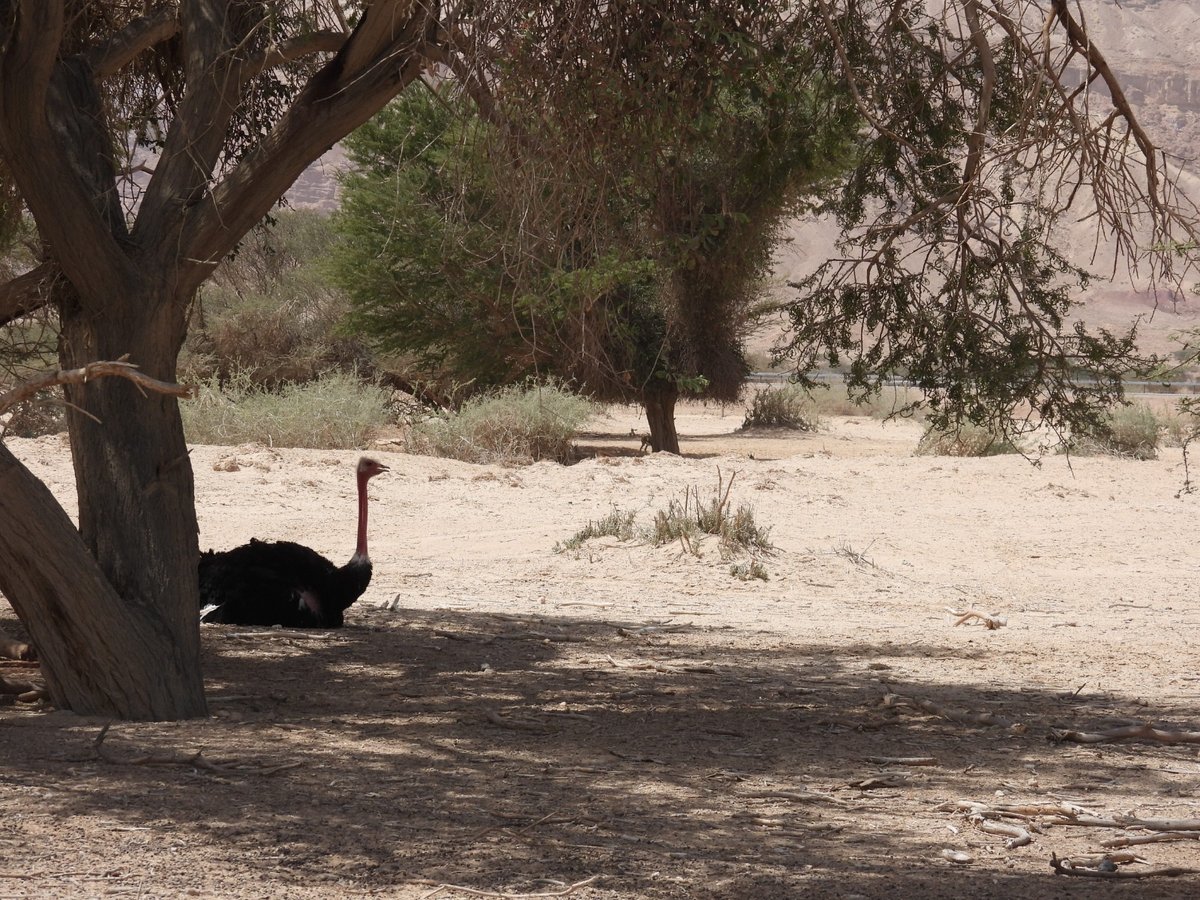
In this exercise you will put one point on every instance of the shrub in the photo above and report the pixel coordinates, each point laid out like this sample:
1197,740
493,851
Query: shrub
337,411
966,440
516,424
786,407
1133,431
835,400
688,521
616,524
748,569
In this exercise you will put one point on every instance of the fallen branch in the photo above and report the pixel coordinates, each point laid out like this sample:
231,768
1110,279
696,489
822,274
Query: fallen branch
990,621
1146,732
189,760
1157,837
1091,821
1067,867
17,685
475,892
1018,836
103,369
902,760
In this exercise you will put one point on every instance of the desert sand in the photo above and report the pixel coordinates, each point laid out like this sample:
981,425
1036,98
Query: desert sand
501,717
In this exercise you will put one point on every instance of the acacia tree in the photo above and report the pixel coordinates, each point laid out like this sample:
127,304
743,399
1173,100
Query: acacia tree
979,137
236,99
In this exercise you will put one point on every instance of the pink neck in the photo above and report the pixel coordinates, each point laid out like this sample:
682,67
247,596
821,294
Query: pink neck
361,550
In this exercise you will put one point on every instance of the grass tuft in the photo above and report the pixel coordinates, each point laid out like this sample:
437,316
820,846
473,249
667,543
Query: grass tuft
691,519
616,524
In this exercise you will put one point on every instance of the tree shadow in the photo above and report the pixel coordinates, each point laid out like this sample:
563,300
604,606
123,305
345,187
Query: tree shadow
494,751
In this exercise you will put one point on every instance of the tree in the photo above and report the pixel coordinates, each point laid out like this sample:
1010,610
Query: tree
978,141
480,245
234,99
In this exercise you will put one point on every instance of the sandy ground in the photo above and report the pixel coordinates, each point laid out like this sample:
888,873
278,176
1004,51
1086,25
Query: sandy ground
502,717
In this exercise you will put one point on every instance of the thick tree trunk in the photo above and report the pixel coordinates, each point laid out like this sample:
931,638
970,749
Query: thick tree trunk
113,607
659,401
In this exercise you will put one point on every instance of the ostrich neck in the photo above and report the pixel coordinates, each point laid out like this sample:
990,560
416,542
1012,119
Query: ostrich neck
360,551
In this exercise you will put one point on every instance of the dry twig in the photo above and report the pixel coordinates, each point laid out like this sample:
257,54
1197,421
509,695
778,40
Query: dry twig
891,699
475,892
1068,867
990,621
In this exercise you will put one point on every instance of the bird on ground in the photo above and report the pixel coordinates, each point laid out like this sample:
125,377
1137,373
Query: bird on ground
284,583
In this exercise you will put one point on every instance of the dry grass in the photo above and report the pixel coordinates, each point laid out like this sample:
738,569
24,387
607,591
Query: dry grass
514,425
967,440
337,411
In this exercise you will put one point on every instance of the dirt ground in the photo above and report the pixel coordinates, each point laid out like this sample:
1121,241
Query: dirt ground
630,721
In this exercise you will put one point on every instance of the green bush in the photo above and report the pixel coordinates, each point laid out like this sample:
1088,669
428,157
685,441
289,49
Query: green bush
337,411
786,407
517,424
966,440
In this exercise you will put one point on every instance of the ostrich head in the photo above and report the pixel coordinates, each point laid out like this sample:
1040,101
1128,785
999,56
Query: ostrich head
369,468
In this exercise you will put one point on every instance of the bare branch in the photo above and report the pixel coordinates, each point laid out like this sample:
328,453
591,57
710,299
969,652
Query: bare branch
346,92
103,369
296,48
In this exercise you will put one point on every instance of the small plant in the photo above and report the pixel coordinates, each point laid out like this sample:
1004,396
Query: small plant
521,423
749,569
786,407
337,411
857,557
966,440
616,524
690,520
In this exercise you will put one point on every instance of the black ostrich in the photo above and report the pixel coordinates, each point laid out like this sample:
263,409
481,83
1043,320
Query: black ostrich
282,583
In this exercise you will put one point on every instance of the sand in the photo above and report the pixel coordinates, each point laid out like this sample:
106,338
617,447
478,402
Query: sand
506,718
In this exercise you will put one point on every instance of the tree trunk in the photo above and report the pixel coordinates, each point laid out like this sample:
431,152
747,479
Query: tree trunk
113,608
659,401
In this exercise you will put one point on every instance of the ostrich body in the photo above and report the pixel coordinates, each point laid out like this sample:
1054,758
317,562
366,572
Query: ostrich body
284,583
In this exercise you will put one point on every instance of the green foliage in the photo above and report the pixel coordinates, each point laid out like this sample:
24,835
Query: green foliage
786,407
625,252
335,411
271,313
956,282
616,524
516,424
965,440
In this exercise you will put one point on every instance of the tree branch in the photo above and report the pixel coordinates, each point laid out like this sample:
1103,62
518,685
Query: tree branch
26,293
122,48
102,369
296,48
346,92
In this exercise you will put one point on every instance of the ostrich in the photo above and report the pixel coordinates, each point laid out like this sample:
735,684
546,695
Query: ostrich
282,583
